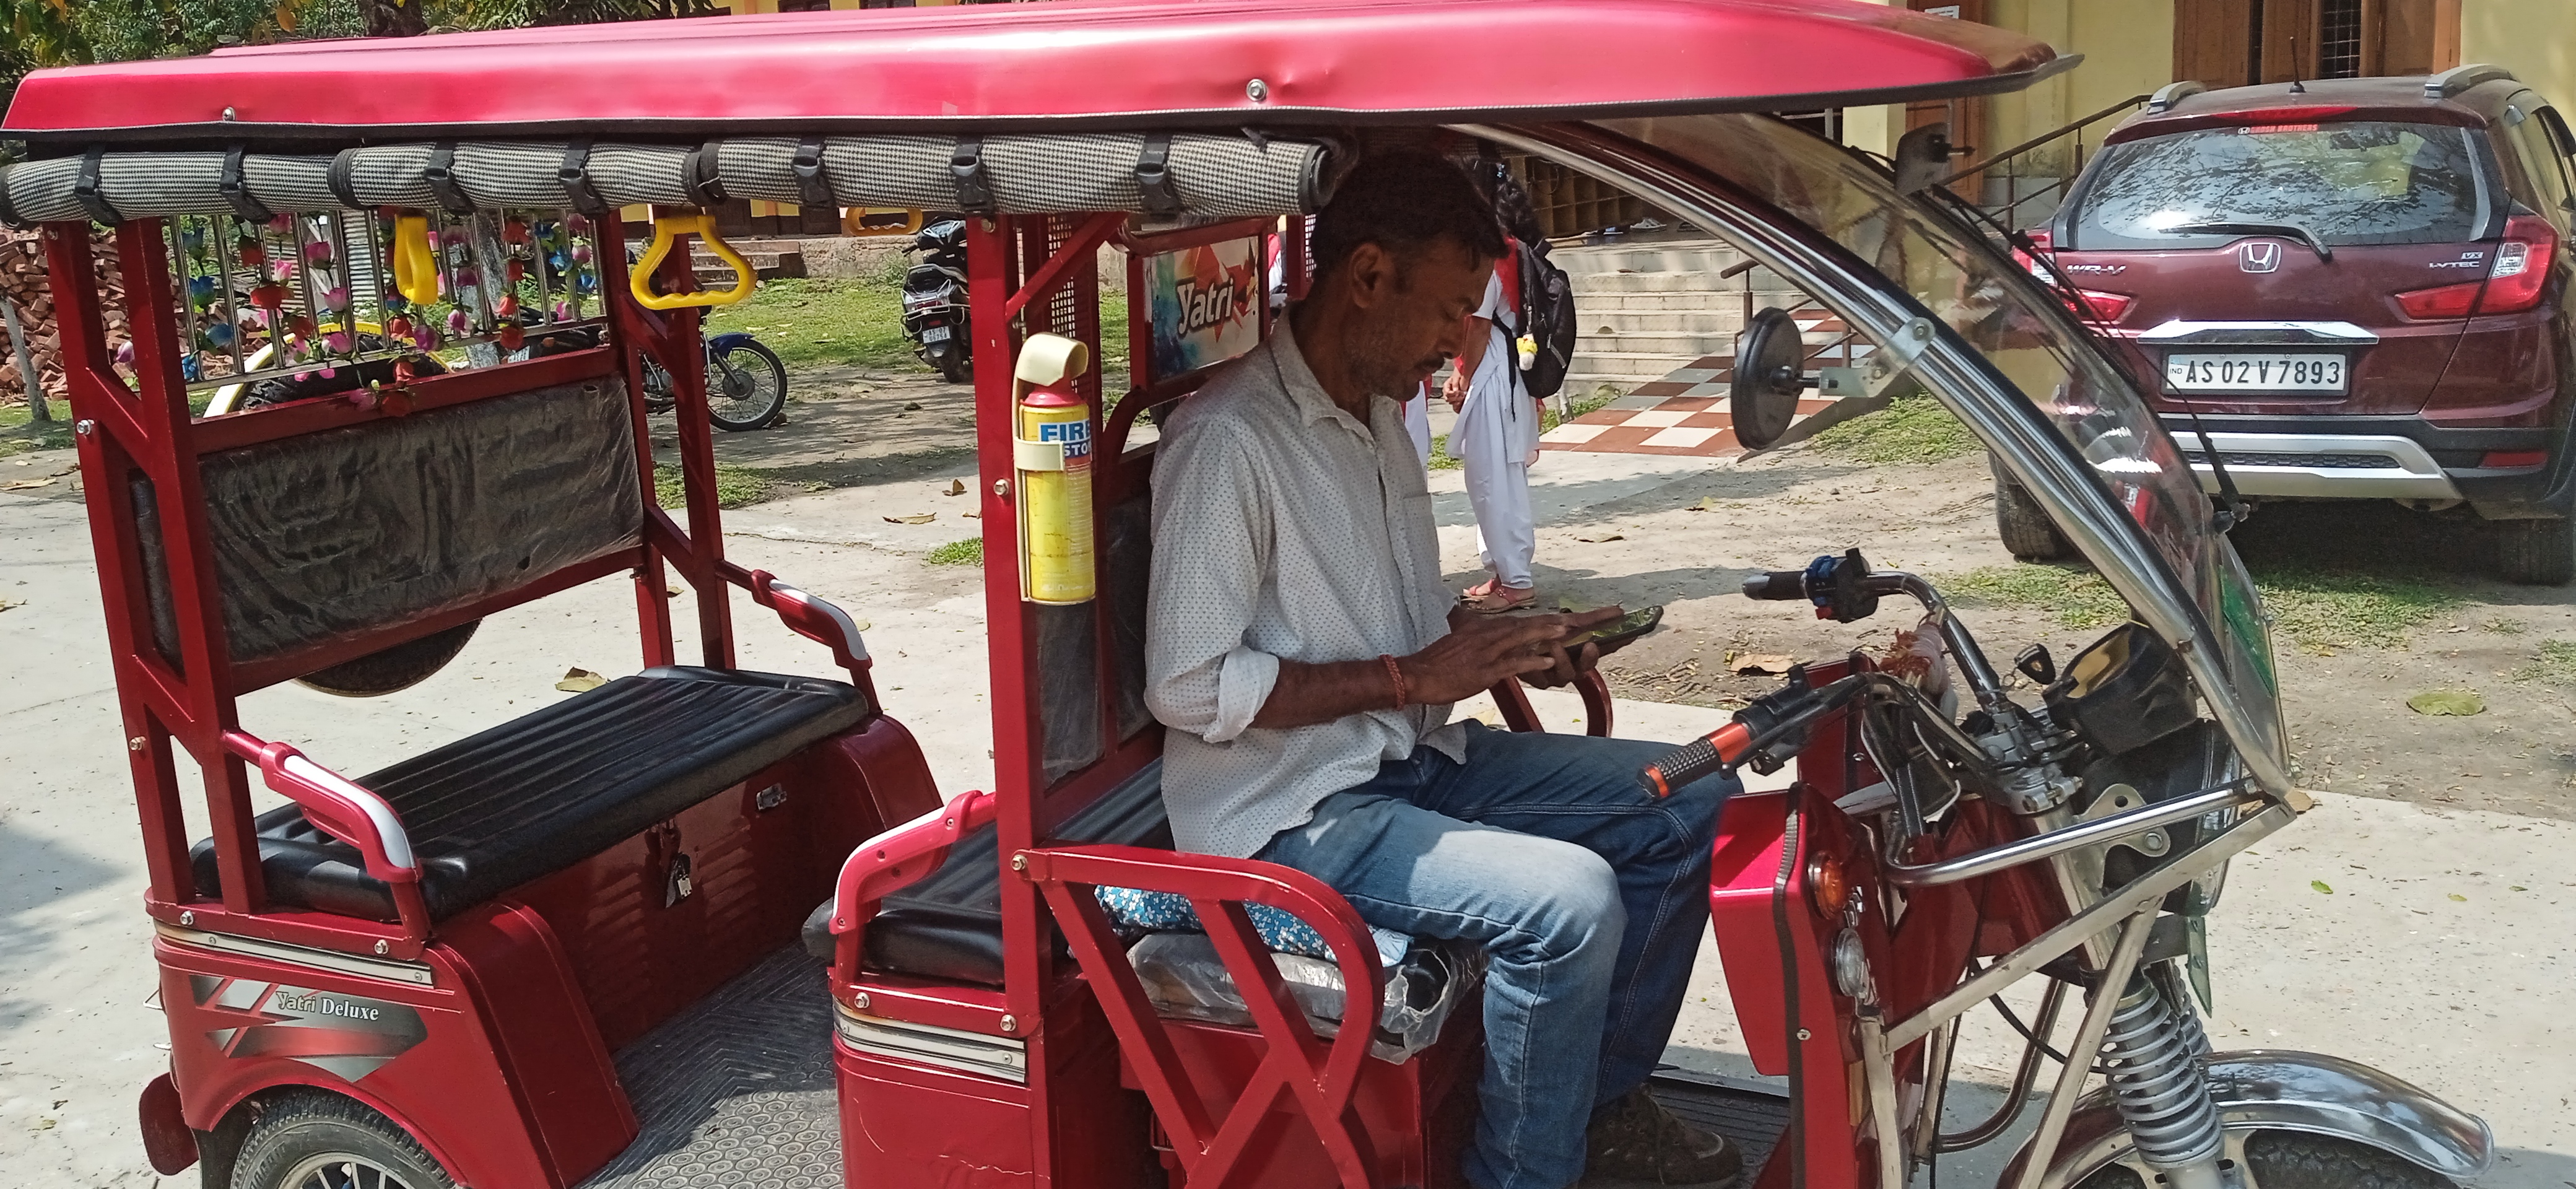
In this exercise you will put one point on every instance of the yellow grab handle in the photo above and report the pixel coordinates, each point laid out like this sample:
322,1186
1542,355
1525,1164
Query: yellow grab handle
667,231
415,260
855,223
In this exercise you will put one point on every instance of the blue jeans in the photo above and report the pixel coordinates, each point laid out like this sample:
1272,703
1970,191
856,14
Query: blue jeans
1588,894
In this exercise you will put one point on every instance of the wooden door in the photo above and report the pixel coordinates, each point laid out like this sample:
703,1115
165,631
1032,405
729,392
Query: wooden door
1966,117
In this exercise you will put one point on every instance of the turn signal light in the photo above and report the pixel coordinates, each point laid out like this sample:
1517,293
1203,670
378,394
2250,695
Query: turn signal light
1828,889
2515,283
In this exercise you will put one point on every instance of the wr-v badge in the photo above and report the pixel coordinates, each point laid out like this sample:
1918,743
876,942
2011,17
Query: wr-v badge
2258,255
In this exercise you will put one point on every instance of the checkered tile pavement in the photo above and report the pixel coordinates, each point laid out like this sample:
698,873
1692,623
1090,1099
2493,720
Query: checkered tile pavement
1685,412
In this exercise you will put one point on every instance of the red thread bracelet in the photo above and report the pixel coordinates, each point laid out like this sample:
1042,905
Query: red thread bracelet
1396,676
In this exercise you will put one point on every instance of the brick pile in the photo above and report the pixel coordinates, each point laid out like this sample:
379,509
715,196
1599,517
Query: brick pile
22,281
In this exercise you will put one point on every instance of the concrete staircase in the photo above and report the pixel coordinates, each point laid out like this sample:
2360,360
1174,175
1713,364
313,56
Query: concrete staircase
769,260
1650,308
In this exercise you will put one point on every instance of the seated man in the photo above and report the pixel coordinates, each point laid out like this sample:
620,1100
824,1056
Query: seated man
1304,650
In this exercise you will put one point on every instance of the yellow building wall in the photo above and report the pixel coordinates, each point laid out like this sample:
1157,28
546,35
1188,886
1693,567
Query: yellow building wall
2128,50
2536,39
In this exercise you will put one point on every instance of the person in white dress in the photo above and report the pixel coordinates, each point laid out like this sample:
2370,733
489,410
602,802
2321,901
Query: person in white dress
1497,438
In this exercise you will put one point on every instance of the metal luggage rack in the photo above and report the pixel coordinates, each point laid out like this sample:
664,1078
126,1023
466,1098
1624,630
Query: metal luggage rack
321,284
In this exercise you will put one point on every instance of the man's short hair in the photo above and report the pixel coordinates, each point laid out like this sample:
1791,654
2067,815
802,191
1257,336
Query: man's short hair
1404,202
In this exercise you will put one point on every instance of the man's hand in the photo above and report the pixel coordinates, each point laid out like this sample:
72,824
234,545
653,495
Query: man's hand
1564,663
1454,389
1479,651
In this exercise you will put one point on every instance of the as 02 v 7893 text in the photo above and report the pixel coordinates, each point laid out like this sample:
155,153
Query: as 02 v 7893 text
2240,372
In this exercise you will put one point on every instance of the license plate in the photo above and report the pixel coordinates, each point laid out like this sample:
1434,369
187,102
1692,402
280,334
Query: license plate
2239,371
934,334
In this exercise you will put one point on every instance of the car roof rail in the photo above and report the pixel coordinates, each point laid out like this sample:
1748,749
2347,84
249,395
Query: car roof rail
2455,82
2172,93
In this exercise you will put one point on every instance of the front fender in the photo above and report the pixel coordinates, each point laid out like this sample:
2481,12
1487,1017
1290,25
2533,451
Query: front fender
2281,1090
718,342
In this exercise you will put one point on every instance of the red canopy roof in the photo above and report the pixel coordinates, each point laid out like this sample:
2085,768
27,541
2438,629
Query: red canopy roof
1073,63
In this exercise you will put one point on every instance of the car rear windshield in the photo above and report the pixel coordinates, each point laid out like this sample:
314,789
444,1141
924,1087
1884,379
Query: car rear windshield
2349,184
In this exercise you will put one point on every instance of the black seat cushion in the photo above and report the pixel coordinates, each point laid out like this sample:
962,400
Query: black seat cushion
542,792
949,926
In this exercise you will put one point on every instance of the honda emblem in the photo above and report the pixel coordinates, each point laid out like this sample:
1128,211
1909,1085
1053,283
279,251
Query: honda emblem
2259,255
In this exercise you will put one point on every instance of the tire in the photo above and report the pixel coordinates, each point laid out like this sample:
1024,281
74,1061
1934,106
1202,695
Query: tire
2026,530
2292,1160
2535,552
746,387
308,1140
658,397
955,366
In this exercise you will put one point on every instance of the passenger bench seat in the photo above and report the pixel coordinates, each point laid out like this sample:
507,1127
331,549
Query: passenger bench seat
542,792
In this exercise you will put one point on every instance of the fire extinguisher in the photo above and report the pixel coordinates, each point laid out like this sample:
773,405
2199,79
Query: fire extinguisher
1052,453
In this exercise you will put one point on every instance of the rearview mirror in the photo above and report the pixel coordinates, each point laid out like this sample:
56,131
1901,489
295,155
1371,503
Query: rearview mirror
1770,361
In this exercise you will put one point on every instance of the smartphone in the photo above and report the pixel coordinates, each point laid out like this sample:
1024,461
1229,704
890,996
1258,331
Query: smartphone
1625,628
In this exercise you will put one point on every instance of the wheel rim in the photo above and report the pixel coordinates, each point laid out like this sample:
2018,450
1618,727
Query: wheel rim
740,385
340,1170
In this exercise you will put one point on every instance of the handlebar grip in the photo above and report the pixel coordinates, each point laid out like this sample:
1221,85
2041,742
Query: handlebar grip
1777,586
1695,759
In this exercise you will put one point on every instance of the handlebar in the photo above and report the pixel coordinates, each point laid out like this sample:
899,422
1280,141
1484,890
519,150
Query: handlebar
1695,759
1845,589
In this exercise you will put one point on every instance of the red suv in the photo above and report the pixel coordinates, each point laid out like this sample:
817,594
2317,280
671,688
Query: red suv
2358,285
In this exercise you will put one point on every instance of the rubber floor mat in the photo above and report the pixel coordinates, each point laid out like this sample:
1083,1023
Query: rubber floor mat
1754,1118
738,1090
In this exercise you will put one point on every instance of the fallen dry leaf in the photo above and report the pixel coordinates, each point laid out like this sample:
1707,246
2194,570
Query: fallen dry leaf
972,515
1762,666
579,680
2456,702
1601,540
917,518
24,484
5,604
957,487
1707,503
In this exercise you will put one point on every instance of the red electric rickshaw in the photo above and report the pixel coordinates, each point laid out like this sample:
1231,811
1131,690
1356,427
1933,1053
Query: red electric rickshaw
573,948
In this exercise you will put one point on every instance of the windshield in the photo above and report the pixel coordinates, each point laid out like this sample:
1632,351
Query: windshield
1958,277
2348,184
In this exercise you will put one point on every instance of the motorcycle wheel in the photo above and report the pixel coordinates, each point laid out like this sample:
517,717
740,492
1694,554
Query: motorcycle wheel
658,397
955,366
2294,1160
307,1139
746,387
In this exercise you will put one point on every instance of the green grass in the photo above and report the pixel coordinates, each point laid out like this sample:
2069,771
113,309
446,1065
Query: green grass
969,552
2324,611
15,438
736,486
2319,611
1910,429
2556,664
2077,598
823,322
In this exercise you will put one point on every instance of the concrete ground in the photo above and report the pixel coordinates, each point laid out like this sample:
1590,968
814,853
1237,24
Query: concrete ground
2440,953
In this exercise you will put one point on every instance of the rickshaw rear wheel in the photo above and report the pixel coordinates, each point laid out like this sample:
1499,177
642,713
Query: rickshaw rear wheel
312,1140
2295,1160
2027,532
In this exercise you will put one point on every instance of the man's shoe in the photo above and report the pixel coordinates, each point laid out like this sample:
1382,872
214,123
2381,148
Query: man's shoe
1635,1143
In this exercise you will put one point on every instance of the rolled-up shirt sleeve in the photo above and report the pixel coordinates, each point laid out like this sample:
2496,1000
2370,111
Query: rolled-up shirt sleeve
1211,550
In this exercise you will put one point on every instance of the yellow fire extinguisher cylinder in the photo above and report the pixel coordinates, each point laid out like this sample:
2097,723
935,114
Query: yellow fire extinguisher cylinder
1054,463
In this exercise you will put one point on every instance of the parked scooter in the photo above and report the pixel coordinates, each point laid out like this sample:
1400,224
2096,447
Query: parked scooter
746,381
934,301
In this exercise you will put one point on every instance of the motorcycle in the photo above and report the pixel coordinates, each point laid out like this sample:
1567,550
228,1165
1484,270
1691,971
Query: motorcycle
746,381
934,301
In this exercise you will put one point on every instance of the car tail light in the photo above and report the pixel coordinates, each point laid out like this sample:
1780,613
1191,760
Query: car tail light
2104,307
2514,283
2039,243
2506,459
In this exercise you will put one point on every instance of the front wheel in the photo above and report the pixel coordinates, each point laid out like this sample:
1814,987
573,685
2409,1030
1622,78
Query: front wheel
310,1140
2294,1160
2535,552
746,386
954,365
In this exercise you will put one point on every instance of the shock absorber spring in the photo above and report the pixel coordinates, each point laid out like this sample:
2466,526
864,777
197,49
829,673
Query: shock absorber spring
2153,1052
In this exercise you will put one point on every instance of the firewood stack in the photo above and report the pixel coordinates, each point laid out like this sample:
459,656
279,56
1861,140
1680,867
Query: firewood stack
22,281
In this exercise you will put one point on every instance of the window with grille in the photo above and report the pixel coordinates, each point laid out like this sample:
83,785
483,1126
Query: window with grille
2339,39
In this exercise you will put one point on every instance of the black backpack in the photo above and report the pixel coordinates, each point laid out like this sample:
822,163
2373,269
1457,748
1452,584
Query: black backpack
1547,295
